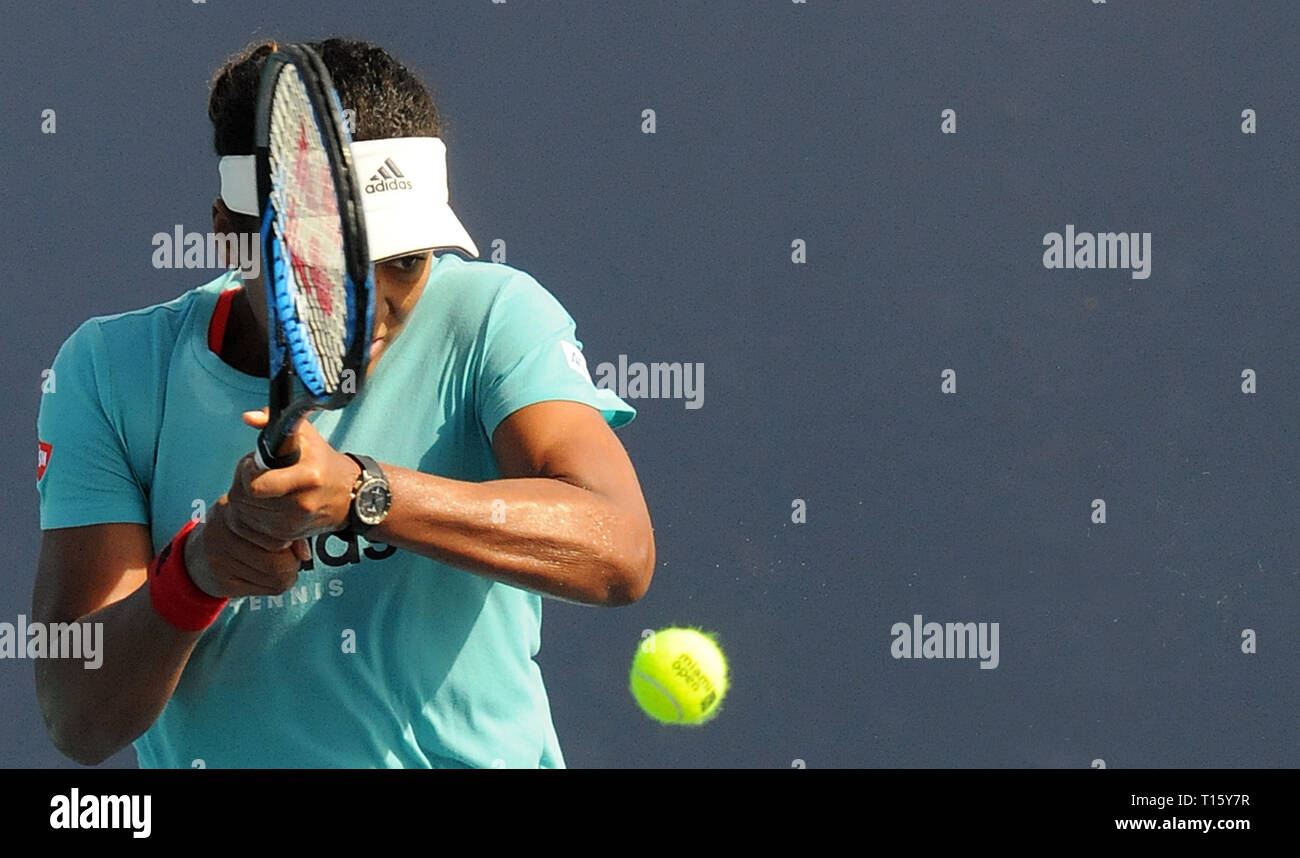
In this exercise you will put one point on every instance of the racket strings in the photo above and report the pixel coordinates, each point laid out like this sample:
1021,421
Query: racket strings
309,230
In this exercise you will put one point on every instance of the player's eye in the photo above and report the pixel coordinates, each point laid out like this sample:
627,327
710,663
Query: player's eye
406,264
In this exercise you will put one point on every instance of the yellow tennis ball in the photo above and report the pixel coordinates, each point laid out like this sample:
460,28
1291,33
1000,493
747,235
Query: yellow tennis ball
679,676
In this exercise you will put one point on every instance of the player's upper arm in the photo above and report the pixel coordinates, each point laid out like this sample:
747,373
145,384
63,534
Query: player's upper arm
83,569
96,543
571,442
545,417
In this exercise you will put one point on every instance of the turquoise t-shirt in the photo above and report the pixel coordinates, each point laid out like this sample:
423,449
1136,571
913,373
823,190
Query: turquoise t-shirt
378,657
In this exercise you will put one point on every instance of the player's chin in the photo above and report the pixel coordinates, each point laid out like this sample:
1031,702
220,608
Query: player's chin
377,349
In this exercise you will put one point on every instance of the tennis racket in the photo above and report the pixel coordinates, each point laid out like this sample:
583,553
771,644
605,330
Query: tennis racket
319,278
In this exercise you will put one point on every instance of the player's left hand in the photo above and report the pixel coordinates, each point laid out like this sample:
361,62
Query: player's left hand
312,496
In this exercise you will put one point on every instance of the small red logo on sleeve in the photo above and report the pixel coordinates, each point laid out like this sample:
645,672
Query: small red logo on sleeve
42,458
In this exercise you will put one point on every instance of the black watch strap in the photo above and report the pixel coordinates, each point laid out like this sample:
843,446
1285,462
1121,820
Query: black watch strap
368,466
369,469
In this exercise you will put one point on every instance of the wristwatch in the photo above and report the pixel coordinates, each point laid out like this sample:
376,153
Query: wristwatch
371,498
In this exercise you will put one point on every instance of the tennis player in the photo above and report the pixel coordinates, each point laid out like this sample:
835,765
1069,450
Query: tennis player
377,604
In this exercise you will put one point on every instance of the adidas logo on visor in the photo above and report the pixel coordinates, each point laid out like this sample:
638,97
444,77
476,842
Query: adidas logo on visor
388,178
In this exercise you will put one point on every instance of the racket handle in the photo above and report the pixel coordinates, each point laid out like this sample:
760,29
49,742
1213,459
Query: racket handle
270,439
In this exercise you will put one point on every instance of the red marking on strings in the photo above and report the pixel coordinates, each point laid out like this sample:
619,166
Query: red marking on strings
312,279
315,193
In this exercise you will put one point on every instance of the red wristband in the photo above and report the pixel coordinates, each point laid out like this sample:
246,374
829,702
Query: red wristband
174,595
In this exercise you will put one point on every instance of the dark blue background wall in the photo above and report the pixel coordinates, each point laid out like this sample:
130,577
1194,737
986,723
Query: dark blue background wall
779,121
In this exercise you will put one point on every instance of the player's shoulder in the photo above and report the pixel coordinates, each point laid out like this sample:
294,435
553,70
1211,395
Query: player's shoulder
479,289
154,328
163,318
474,279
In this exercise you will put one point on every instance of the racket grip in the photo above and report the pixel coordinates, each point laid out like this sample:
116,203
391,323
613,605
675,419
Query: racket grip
264,452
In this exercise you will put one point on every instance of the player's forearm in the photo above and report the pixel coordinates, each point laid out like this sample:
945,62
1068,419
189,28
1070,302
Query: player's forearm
539,534
92,714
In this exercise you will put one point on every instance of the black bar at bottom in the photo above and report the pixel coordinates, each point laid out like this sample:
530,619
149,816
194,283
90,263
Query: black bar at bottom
688,807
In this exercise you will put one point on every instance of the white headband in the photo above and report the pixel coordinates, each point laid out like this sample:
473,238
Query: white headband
403,192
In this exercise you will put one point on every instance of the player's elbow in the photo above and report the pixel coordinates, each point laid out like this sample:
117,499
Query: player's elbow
75,740
631,580
86,755
76,731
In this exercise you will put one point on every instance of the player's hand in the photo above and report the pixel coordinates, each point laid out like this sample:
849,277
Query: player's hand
312,496
223,564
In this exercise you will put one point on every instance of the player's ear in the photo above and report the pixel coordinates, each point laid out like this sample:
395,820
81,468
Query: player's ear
221,225
222,218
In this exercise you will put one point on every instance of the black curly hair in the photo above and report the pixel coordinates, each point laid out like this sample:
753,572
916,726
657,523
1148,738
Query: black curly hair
387,99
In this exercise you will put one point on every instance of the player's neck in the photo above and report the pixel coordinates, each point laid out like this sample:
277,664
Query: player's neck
244,345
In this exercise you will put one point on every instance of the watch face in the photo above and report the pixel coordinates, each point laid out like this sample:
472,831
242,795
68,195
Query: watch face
372,502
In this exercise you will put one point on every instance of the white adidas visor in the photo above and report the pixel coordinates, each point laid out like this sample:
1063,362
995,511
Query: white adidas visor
403,191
